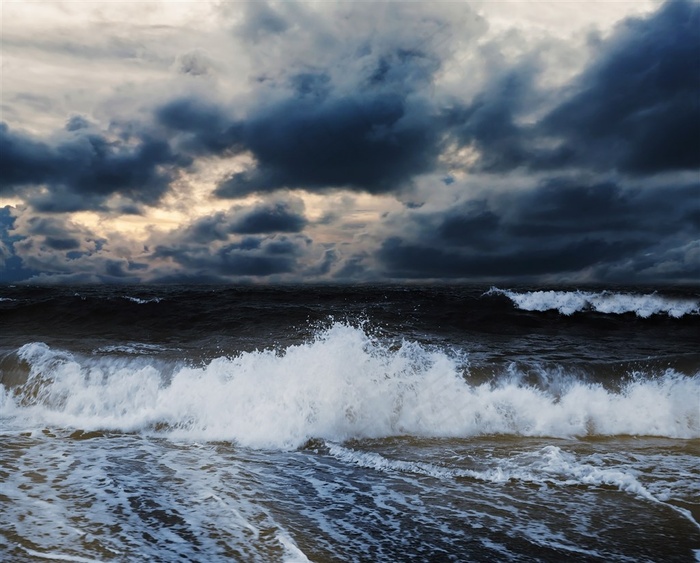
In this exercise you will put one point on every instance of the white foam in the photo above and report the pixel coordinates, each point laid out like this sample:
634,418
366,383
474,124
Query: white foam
342,385
292,554
141,301
548,466
134,348
570,302
58,556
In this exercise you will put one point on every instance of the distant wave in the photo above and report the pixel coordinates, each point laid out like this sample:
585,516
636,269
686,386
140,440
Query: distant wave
134,348
141,301
341,385
569,302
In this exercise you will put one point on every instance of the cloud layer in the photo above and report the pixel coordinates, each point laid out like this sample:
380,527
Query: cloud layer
360,143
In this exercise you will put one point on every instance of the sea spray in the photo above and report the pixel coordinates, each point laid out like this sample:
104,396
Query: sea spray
342,384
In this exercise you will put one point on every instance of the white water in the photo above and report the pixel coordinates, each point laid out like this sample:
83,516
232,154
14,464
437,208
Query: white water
342,385
141,301
134,348
570,302
548,465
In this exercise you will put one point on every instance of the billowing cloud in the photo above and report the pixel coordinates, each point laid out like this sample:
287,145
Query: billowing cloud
585,231
636,108
250,257
280,216
352,111
275,218
283,141
371,143
82,168
52,248
258,241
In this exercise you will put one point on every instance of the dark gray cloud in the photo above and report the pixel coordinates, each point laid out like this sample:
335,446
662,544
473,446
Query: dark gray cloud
490,122
561,207
83,168
375,142
264,218
345,97
637,108
634,109
559,227
62,243
251,256
204,128
410,260
52,249
353,111
371,143
12,268
274,218
257,241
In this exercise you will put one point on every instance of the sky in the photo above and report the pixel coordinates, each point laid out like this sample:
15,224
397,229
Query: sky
548,142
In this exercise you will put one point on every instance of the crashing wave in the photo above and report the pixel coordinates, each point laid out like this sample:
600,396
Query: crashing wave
342,385
570,302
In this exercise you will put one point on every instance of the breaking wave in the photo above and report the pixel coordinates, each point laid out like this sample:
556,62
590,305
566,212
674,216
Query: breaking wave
569,302
141,301
343,384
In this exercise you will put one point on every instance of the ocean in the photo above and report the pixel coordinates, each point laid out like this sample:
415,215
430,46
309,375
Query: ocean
349,424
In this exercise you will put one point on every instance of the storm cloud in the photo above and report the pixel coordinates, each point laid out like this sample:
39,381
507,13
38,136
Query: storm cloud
634,110
340,141
375,144
558,227
637,107
81,169
263,218
362,121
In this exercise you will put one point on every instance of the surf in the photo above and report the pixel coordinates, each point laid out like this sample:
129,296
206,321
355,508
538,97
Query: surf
342,384
607,302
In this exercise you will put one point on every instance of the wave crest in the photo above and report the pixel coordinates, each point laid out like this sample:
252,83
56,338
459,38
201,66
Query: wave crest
569,302
342,385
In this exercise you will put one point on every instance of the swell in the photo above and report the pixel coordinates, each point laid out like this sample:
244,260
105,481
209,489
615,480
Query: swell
206,321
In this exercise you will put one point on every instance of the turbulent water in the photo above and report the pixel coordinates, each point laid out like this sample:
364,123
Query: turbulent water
349,424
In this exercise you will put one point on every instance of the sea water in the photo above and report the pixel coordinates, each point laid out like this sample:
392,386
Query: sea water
349,424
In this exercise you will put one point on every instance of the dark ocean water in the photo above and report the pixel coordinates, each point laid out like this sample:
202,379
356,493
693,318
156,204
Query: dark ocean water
349,424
